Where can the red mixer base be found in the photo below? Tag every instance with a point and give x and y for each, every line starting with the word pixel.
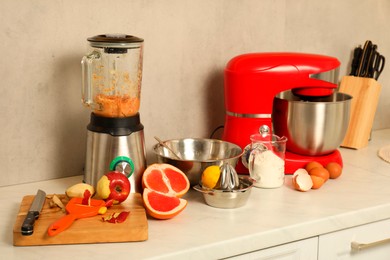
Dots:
pixel 296 161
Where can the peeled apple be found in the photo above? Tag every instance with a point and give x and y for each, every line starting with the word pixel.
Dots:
pixel 77 190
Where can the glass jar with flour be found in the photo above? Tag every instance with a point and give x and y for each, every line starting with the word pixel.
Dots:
pixel 266 160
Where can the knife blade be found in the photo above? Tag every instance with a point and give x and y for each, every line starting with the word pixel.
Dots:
pixel 33 213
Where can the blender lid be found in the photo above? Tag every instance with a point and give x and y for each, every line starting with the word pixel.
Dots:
pixel 115 40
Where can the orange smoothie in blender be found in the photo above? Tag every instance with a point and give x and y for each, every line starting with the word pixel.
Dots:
pixel 116 106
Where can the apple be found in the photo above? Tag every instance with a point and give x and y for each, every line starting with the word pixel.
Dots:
pixel 113 186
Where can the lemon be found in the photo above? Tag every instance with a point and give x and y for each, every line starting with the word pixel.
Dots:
pixel 210 176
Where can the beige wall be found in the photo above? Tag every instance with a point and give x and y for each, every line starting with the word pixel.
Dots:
pixel 187 44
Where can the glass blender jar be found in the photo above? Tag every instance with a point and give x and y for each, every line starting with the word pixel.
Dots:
pixel 112 74
pixel 111 88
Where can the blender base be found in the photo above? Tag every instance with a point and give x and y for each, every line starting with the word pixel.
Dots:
pixel 295 161
pixel 115 144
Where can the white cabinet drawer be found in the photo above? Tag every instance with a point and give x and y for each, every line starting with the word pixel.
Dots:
pixel 373 238
pixel 300 250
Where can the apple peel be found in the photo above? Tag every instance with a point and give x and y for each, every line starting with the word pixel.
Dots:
pixel 109 203
pixel 301 180
pixel 87 198
pixel 116 217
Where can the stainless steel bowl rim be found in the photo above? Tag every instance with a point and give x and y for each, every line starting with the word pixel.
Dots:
pixel 308 102
pixel 198 139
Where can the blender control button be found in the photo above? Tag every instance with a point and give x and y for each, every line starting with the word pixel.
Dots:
pixel 122 164
pixel 124 168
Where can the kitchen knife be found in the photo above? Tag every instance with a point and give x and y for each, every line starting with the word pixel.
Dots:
pixel 33 213
pixel 363 66
pixel 357 54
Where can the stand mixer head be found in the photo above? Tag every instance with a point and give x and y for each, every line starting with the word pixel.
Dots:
pixel 253 80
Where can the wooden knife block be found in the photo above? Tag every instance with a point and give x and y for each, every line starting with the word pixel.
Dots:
pixel 365 93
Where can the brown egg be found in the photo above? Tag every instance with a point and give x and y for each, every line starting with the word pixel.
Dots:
pixel 334 170
pixel 317 182
pixel 312 165
pixel 320 172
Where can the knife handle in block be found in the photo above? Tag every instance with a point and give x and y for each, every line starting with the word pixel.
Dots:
pixel 28 223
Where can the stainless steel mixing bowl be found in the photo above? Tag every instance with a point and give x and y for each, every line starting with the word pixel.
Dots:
pixel 196 154
pixel 313 126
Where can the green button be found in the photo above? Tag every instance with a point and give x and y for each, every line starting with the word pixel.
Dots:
pixel 122 159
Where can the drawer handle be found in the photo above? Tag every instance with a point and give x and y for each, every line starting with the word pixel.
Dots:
pixel 356 246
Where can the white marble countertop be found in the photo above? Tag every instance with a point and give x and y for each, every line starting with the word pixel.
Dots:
pixel 271 216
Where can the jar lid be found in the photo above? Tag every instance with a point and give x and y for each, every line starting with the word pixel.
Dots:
pixel 115 41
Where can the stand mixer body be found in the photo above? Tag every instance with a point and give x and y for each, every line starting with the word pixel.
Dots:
pixel 253 80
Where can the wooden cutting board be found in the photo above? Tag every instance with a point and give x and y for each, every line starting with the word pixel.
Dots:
pixel 86 230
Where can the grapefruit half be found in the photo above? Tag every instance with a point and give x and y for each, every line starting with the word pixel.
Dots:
pixel 162 206
pixel 165 178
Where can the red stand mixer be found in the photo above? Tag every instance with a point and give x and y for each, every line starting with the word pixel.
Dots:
pixel 254 82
